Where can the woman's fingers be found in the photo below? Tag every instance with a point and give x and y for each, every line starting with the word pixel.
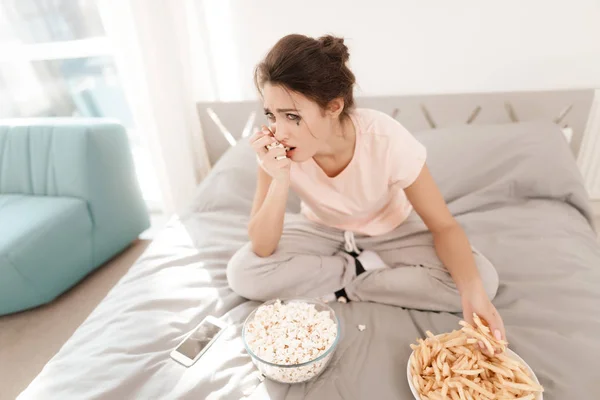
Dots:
pixel 275 158
pixel 497 327
pixel 284 163
pixel 264 141
pixel 259 145
pixel 264 131
pixel 275 152
pixel 495 323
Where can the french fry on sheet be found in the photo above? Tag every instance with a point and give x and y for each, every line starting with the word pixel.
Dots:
pixel 452 366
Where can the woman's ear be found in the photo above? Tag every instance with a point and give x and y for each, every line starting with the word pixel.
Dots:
pixel 335 107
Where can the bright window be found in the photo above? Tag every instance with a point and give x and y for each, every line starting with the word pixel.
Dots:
pixel 55 61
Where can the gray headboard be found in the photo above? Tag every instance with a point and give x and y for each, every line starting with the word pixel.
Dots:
pixel 225 122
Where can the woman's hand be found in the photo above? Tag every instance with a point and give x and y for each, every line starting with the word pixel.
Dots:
pixel 273 161
pixel 477 301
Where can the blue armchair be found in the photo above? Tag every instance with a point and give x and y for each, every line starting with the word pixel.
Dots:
pixel 69 201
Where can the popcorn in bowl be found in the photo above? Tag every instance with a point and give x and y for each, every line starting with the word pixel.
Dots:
pixel 291 341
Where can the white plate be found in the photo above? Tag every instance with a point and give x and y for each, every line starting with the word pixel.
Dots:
pixel 509 352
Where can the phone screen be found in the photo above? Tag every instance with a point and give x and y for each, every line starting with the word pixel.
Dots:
pixel 198 340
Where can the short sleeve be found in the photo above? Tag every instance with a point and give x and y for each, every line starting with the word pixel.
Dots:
pixel 407 155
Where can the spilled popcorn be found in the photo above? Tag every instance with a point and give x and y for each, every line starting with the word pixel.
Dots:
pixel 290 334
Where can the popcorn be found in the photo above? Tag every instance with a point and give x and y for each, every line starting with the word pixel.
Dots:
pixel 361 328
pixel 274 145
pixel 277 145
pixel 291 334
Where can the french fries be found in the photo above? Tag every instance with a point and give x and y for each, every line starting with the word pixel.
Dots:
pixel 452 366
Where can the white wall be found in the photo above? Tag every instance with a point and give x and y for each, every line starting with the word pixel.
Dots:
pixel 410 46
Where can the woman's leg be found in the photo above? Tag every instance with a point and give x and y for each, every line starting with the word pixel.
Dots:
pixel 416 277
pixel 309 261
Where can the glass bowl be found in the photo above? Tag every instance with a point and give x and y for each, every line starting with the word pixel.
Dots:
pixel 294 373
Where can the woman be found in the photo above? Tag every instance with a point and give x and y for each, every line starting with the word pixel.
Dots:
pixel 362 178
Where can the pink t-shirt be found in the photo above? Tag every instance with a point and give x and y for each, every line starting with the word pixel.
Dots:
pixel 367 196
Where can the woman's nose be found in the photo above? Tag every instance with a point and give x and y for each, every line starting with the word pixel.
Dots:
pixel 279 133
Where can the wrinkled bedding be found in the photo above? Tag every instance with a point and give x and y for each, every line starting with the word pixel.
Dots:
pixel 515 189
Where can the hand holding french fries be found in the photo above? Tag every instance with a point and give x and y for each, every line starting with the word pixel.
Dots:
pixel 477 302
pixel 452 366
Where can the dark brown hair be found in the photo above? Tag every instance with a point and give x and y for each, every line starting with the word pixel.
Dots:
pixel 315 68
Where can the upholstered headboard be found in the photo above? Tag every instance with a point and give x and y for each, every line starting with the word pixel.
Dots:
pixel 223 123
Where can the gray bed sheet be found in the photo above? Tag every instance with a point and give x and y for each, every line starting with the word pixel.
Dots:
pixel 514 188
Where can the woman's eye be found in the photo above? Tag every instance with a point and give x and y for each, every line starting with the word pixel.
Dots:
pixel 293 117
pixel 270 116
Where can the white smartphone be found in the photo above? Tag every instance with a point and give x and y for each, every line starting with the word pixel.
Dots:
pixel 198 341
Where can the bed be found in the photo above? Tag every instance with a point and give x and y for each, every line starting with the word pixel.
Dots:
pixel 514 187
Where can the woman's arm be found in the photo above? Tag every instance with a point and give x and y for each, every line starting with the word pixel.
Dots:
pixel 453 249
pixel 268 210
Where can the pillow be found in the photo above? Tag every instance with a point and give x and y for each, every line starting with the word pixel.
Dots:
pixel 504 163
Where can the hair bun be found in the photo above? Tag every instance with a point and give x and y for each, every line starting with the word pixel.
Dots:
pixel 334 47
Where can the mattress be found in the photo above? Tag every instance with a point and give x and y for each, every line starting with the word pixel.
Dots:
pixel 514 188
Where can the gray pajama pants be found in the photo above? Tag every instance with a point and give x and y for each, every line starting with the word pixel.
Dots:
pixel 310 261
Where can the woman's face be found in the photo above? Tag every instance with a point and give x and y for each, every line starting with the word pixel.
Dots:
pixel 297 122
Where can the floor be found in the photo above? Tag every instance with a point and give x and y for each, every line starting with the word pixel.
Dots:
pixel 24 351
